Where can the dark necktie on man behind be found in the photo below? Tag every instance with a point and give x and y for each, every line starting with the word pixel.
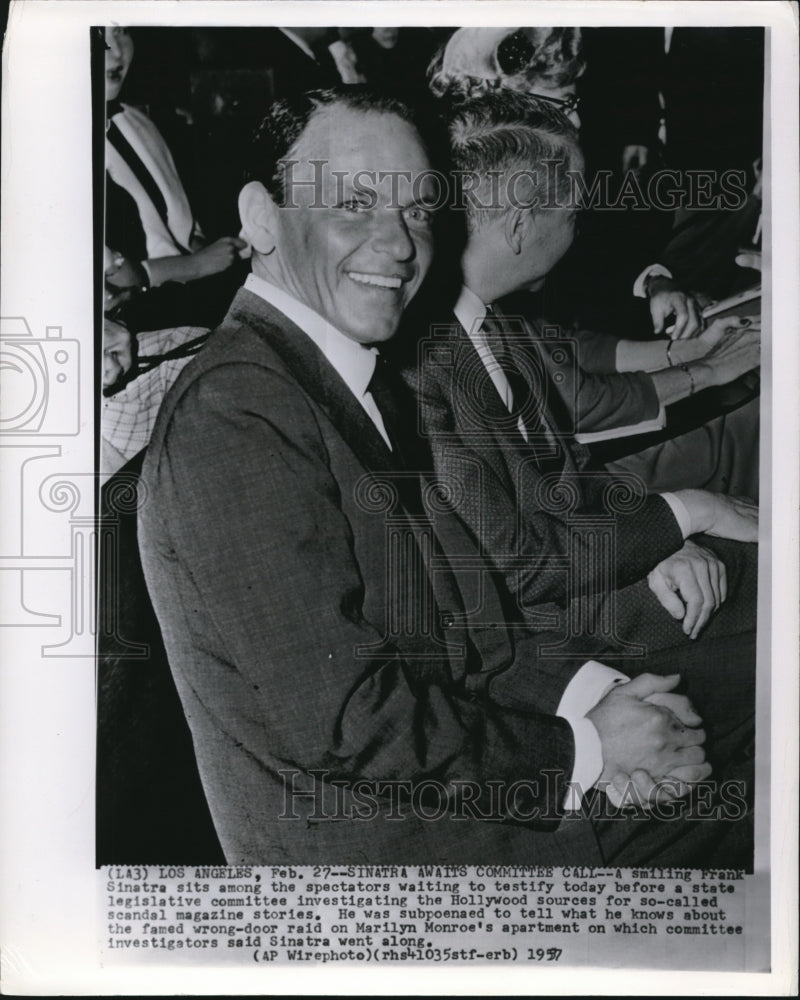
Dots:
pixel 527 378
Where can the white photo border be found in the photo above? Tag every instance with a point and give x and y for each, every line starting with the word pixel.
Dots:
pixel 49 930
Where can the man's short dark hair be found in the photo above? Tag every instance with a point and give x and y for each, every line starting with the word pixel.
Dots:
pixel 286 120
pixel 506 131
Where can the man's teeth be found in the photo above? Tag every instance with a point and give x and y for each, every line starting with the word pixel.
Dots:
pixel 382 281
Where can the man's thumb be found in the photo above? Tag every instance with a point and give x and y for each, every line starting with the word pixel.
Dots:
pixel 657 315
pixel 645 684
pixel 667 597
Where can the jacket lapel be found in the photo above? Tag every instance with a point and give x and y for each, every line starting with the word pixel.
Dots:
pixel 494 415
pixel 316 376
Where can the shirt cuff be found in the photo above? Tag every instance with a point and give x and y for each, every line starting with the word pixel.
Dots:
pixel 654 270
pixel 682 515
pixel 583 692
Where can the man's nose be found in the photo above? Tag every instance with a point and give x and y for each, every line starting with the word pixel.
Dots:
pixel 392 236
pixel 113 45
pixel 575 118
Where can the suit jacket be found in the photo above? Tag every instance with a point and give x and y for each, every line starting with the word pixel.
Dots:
pixel 301 657
pixel 520 515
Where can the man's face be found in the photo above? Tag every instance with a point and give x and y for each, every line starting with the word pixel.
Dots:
pixel 119 55
pixel 386 37
pixel 360 258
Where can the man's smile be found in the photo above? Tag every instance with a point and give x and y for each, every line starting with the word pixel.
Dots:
pixel 388 281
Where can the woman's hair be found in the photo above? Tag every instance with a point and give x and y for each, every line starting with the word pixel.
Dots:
pixel 475 61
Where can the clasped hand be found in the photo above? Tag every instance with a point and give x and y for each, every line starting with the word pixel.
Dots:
pixel 649 734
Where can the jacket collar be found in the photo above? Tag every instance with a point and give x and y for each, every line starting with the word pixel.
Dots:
pixel 316 375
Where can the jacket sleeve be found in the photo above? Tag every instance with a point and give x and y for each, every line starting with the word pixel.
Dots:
pixel 245 498
pixel 600 397
pixel 596 351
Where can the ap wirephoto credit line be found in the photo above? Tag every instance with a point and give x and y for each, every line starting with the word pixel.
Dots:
pixel 416 511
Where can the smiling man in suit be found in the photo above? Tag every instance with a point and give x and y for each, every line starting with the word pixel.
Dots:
pixel 336 672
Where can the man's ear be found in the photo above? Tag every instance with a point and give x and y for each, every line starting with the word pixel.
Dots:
pixel 259 215
pixel 518 222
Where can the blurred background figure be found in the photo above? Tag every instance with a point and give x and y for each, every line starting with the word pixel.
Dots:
pixel 153 237
pixel 680 99
pixel 395 59
pixel 684 97
pixel 117 352
pixel 137 372
pixel 344 55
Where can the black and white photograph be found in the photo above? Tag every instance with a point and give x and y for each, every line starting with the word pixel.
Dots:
pixel 401 454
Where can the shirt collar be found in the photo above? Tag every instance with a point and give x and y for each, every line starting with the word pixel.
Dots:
pixel 301 43
pixel 354 362
pixel 470 313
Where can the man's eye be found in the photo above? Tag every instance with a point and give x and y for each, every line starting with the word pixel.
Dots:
pixel 421 216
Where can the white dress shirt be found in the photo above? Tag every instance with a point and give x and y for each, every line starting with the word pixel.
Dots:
pixel 471 313
pixel 354 362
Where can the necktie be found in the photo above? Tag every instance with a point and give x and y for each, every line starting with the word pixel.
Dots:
pixel 398 412
pixel 527 379
pixel 414 544
pixel 397 406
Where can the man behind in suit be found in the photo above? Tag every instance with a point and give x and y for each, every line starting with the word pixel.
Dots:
pixel 341 702
pixel 496 421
